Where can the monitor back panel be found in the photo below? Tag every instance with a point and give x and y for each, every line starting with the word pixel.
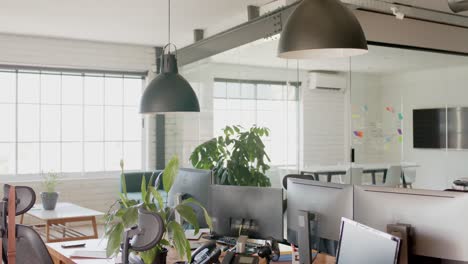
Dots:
pixel 264 205
pixel 439 218
pixel 329 201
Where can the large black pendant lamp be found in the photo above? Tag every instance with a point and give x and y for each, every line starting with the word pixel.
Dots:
pixel 169 91
pixel 321 28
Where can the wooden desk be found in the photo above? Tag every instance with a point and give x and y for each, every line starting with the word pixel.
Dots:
pixel 62 256
pixel 324 259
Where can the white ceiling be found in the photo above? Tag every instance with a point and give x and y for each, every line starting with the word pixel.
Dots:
pixel 122 21
pixel 134 21
pixel 379 59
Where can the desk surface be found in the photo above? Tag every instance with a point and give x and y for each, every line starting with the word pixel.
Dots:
pixel 62 256
pixel 347 166
pixel 364 166
pixel 62 211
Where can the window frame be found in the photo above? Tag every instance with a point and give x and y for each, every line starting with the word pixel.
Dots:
pixel 82 73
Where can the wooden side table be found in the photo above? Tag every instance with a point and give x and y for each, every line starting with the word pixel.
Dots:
pixel 55 227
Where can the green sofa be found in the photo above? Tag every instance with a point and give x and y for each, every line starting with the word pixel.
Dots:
pixel 133 182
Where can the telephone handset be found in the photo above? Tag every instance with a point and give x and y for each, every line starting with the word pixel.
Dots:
pixel 208 253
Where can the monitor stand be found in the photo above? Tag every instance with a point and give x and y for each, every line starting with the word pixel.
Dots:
pixel 307 226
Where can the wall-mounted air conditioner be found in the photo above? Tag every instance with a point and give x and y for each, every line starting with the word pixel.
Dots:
pixel 326 81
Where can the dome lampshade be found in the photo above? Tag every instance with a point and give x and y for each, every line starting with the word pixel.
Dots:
pixel 321 28
pixel 169 91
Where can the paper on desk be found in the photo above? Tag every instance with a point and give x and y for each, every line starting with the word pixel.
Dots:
pixel 190 233
pixel 89 253
pixel 285 249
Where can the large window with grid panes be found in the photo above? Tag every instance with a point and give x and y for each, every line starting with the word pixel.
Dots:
pixel 269 104
pixel 69 122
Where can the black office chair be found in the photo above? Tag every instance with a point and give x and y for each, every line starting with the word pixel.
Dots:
pixel 285 184
pixel 296 176
pixel 29 246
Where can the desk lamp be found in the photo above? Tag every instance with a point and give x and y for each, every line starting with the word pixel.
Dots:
pixel 144 236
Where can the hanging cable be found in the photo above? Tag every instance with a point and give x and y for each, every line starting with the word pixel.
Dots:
pixel 169 23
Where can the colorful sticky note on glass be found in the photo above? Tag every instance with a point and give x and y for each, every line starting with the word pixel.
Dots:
pixel 400 116
pixel 359 134
pixel 355 116
pixel 365 108
pixel 390 109
pixel 386 146
pixel 400 139
pixel 388 139
pixel 399 131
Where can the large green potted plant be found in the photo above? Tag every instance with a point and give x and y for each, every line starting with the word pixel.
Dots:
pixel 50 195
pixel 124 214
pixel 236 158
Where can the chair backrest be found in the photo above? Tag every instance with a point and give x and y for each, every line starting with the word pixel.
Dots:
pixel 133 180
pixel 353 176
pixel 410 175
pixel 29 246
pixel 296 176
pixel 393 176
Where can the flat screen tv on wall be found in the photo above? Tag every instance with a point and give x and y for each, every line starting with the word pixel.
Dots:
pixel 440 128
pixel 429 128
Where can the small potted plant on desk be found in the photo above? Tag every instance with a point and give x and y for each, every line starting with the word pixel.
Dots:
pixel 123 214
pixel 49 197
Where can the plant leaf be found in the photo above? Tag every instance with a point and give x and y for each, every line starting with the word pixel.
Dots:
pixel 170 173
pixel 124 183
pixel 180 241
pixel 189 215
pixel 130 216
pixel 157 196
pixel 113 243
pixel 149 255
pixel 143 189
pixel 123 199
pixel 205 212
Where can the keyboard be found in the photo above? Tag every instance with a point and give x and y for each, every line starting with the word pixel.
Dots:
pixel 232 241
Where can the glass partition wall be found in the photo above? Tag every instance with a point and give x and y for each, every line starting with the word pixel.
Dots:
pixel 401 101
pixel 245 87
pixel 323 113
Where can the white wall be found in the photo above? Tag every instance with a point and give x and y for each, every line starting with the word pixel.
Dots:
pixel 323 127
pixel 53 52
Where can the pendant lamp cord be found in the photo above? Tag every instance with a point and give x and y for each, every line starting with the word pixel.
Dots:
pixel 169 23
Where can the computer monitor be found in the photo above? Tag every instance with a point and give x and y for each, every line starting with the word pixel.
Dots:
pixel 192 183
pixel 329 201
pixel 260 205
pixel 439 219
pixel 360 244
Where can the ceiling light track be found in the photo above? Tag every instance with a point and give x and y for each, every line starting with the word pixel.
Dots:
pixel 383 6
